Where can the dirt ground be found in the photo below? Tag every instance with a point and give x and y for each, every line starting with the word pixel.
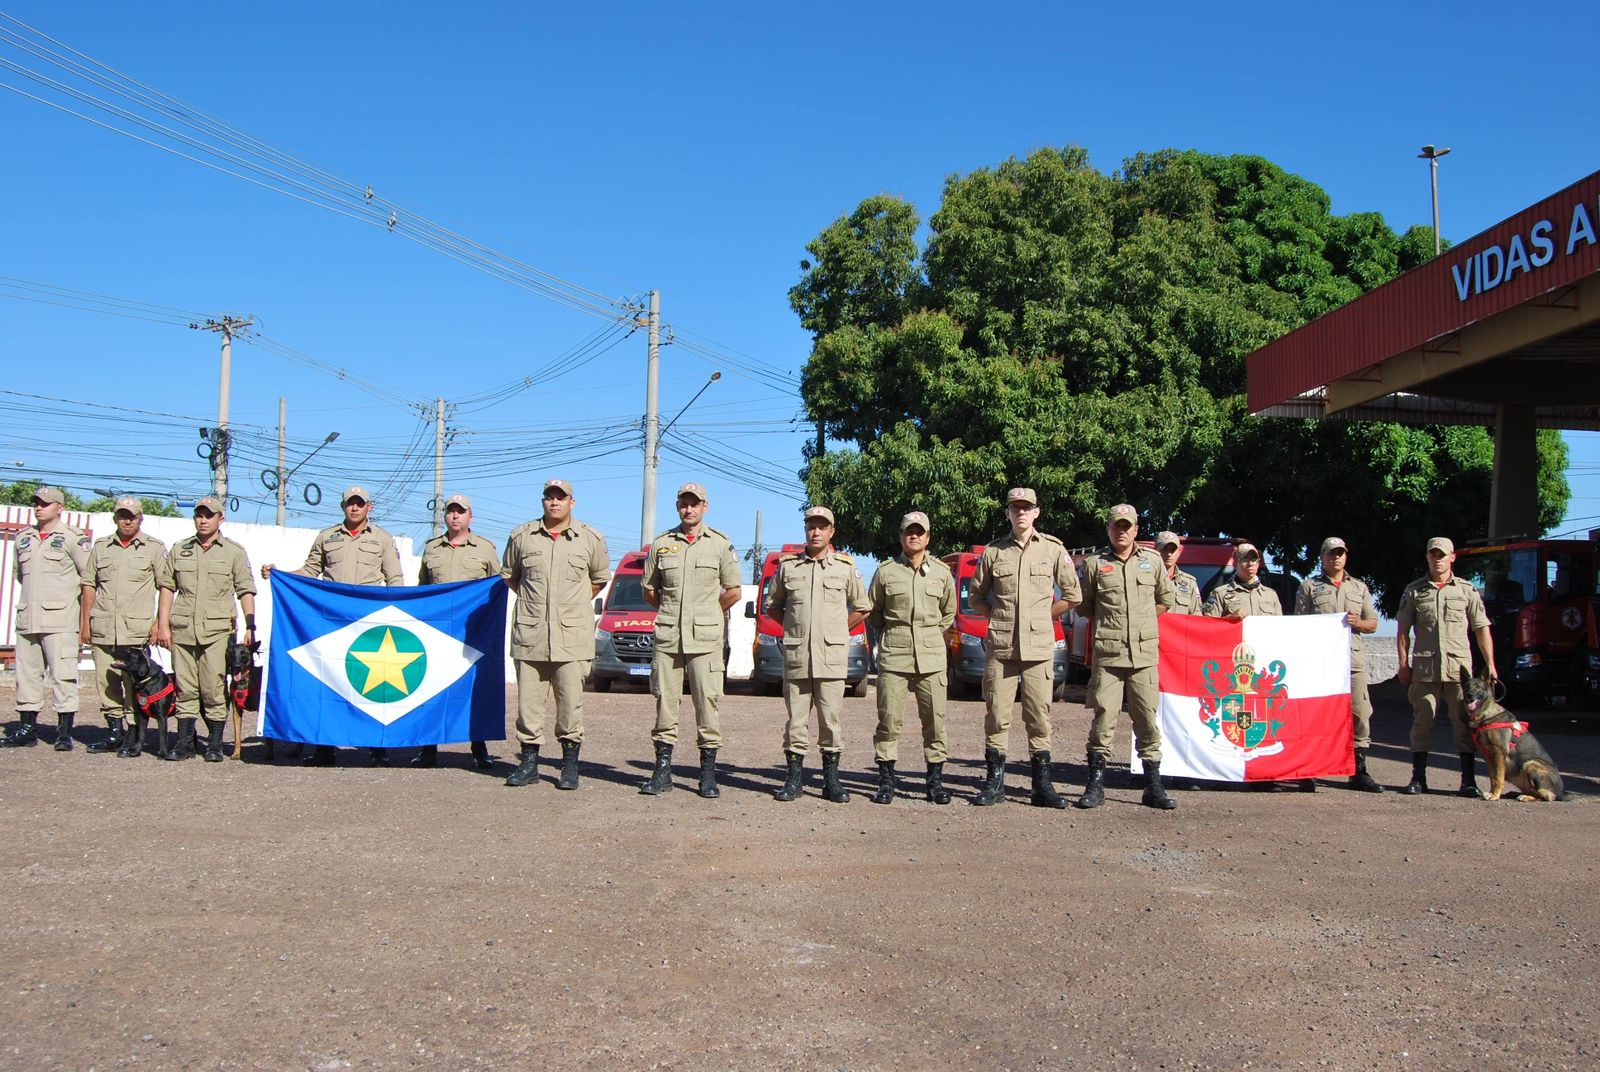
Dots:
pixel 232 916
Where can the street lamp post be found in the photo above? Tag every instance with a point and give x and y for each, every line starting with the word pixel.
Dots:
pixel 1432 154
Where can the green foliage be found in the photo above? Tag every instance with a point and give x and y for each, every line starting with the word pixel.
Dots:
pixel 20 493
pixel 1084 334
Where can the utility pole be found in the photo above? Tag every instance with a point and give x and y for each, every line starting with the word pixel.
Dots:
pixel 755 553
pixel 652 420
pixel 283 475
pixel 1432 155
pixel 438 466
pixel 226 327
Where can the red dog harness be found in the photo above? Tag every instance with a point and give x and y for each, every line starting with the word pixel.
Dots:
pixel 1517 730
pixel 241 693
pixel 147 701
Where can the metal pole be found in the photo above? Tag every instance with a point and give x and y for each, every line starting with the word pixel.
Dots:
pixel 438 467
pixel 1433 174
pixel 652 420
pixel 221 484
pixel 283 477
pixel 755 553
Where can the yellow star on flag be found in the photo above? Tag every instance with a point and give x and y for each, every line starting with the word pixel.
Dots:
pixel 387 665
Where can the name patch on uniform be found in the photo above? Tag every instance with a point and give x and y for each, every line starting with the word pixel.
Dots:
pixel 24 543
pixel 186 553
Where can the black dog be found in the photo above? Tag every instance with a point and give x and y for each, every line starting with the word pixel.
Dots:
pixel 153 697
pixel 241 678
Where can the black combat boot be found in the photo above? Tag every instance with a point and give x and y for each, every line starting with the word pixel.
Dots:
pixel 937 793
pixel 112 741
pixel 214 741
pixel 426 758
pixel 1469 781
pixel 885 793
pixel 994 779
pixel 1419 775
pixel 379 757
pixel 708 773
pixel 322 755
pixel 1155 796
pixel 793 779
pixel 133 743
pixel 661 774
pixel 1361 780
pixel 64 731
pixel 832 791
pixel 1094 790
pixel 480 756
pixel 527 772
pixel 1044 786
pixel 183 748
pixel 25 735
pixel 569 765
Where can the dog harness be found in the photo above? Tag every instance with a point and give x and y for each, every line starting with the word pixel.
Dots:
pixel 147 700
pixel 240 692
pixel 1517 730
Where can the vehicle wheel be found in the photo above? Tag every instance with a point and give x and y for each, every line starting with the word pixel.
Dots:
pixel 599 684
pixel 859 688
pixel 772 688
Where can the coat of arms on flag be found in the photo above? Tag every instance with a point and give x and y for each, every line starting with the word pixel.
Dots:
pixel 369 666
pixel 1262 699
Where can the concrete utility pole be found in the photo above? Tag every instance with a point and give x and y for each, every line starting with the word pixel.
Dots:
pixel 1432 155
pixel 283 473
pixel 438 467
pixel 652 420
pixel 226 327
pixel 755 553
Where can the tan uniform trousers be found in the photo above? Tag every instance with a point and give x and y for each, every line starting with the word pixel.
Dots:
pixel 930 691
pixel 704 671
pixel 800 695
pixel 116 692
pixel 200 671
pixel 1425 697
pixel 1001 678
pixel 56 653
pixel 1360 709
pixel 535 682
pixel 1109 687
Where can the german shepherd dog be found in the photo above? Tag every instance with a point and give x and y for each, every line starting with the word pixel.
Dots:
pixel 241 670
pixel 153 697
pixel 1512 752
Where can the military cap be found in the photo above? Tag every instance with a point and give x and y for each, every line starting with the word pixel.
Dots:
pixel 209 502
pixel 1167 539
pixel 130 504
pixel 564 485
pixel 697 490
pixel 1244 549
pixel 1442 543
pixel 1333 543
pixel 819 511
pixel 458 500
pixel 1022 495
pixel 915 517
pixel 354 491
pixel 1122 512
pixel 47 494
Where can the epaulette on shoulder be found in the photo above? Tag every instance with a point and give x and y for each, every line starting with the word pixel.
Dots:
pixel 526 526
pixel 716 532
pixel 844 557
pixel 1045 536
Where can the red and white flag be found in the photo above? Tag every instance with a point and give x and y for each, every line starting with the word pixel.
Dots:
pixel 1259 700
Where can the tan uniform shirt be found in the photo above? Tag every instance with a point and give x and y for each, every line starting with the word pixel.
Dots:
pixel 1185 593
pixel 554 577
pixel 368 557
pixel 52 567
pixel 911 609
pixel 1318 595
pixel 814 598
pixel 1444 618
pixel 124 581
pixel 1235 600
pixel 204 582
pixel 1018 584
pixel 1121 599
pixel 470 560
pixel 689 579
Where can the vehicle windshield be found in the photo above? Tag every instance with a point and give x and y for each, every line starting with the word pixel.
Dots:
pixel 1568 574
pixel 627 593
pixel 1501 577
pixel 1205 575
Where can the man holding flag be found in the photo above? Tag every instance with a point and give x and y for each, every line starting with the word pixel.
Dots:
pixel 1336 592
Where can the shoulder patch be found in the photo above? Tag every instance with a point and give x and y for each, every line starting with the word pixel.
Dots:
pixel 1106 567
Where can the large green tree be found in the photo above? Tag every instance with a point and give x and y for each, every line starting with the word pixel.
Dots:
pixel 20 493
pixel 1084 334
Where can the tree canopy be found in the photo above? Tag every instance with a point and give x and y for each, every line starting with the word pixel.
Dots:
pixel 20 493
pixel 1084 334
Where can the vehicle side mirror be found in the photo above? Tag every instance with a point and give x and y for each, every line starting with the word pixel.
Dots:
pixel 749 608
pixel 597 604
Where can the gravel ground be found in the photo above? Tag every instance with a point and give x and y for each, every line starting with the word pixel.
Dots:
pixel 247 916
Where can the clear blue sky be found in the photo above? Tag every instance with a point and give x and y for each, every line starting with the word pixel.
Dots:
pixel 695 152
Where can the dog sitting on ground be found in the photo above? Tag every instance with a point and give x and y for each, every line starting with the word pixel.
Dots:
pixel 241 668
pixel 1512 752
pixel 153 697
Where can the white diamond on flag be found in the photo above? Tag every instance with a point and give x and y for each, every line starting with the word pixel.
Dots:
pixel 386 664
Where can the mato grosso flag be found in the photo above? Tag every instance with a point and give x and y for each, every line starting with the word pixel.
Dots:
pixel 374 667
pixel 1258 700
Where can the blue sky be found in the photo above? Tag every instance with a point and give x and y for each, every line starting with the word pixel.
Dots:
pixel 695 151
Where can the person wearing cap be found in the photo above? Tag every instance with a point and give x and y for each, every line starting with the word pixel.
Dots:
pixel 51 562
pixel 1441 609
pixel 1243 594
pixel 819 597
pixel 1185 588
pixel 1335 591
pixel 355 551
pixel 457 554
pixel 1125 589
pixel 1015 585
pixel 913 599
pixel 691 577
pixel 198 581
pixel 120 611
pixel 555 565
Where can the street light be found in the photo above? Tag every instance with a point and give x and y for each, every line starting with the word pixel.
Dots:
pixel 715 376
pixel 1432 154
pixel 281 484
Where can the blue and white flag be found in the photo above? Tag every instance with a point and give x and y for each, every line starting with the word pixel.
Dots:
pixel 375 667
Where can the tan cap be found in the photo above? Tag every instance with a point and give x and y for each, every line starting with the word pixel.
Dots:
pixel 819 511
pixel 1122 512
pixel 1333 543
pixel 557 482
pixel 1244 550
pixel 130 504
pixel 915 517
pixel 1442 543
pixel 210 502
pixel 50 495
pixel 1023 495
pixel 459 500
pixel 1168 539
pixel 697 490
pixel 354 491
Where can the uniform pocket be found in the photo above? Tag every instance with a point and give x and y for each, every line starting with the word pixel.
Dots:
pixel 833 589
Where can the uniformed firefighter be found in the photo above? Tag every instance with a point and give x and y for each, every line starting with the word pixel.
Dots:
pixel 1185 589
pixel 119 611
pixel 691 577
pixel 51 559
pixel 198 582
pixel 1125 590
pixel 556 565
pixel 1442 609
pixel 1023 583
pixel 1335 591
pixel 819 597
pixel 913 599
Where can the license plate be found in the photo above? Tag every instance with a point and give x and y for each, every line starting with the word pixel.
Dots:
pixel 639 671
